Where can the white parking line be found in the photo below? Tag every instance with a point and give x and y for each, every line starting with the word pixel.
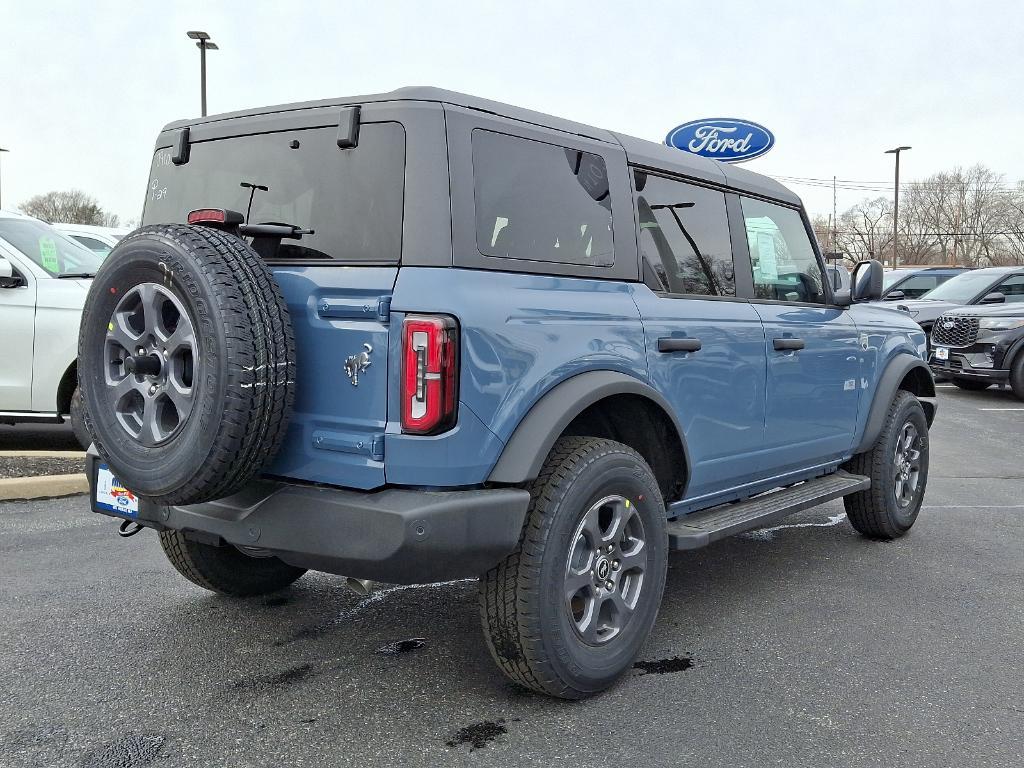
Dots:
pixel 1001 409
pixel 949 386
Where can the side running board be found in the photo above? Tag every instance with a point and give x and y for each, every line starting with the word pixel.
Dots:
pixel 699 529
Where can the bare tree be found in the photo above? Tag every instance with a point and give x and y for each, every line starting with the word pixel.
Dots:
pixel 68 207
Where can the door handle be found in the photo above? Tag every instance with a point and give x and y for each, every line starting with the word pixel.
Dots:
pixel 676 344
pixel 787 344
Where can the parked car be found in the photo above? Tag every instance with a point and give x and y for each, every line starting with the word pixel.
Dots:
pixel 44 278
pixel 976 347
pixel 914 282
pixel 992 285
pixel 98 239
pixel 422 336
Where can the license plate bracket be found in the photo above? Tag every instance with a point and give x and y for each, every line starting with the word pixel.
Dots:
pixel 110 497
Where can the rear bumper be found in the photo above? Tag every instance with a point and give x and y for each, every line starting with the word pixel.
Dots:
pixel 399 536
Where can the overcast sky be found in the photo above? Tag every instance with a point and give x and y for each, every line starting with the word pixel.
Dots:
pixel 86 87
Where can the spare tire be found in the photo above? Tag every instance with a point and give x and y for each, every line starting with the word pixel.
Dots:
pixel 186 360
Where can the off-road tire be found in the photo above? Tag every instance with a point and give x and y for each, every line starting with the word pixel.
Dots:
pixel 245 370
pixel 77 418
pixel 875 512
pixel 527 628
pixel 1017 375
pixel 224 569
pixel 971 385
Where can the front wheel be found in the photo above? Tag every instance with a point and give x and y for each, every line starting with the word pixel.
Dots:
pixel 898 467
pixel 568 611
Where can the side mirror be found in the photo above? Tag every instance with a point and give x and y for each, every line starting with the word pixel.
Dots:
pixel 994 298
pixel 7 277
pixel 867 280
pixel 894 295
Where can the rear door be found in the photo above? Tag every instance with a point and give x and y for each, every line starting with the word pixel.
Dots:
pixel 813 349
pixel 337 280
pixel 705 346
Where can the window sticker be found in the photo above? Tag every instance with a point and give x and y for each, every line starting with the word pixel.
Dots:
pixel 48 254
pixel 767 265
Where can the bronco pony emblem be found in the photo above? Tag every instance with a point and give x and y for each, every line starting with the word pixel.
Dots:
pixel 356 364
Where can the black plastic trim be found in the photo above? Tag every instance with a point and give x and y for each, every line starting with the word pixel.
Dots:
pixel 532 440
pixel 888 384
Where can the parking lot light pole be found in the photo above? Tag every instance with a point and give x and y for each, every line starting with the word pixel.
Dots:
pixel 204 44
pixel 1 181
pixel 895 202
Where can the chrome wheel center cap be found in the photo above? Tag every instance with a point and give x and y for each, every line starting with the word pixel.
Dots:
pixel 603 568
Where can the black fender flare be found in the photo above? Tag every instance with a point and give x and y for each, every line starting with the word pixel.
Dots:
pixel 1015 348
pixel 888 384
pixel 524 453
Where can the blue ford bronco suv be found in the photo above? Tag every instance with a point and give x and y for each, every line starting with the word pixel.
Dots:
pixel 421 336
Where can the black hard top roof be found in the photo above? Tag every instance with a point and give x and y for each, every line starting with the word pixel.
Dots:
pixel 638 151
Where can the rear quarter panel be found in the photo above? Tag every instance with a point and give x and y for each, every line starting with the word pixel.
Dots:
pixel 520 336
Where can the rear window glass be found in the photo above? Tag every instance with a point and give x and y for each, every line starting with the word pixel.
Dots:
pixel 541 202
pixel 352 199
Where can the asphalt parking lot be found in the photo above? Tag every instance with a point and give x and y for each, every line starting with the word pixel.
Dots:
pixel 800 645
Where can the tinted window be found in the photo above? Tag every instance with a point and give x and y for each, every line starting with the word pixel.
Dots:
pixel 93 244
pixel 57 254
pixel 1012 288
pixel 918 285
pixel 781 254
pixel 540 202
pixel 352 199
pixel 684 237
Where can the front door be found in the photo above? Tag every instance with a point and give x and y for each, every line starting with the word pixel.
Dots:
pixel 705 347
pixel 813 349
pixel 17 321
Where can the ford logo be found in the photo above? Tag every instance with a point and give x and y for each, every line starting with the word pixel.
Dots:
pixel 722 138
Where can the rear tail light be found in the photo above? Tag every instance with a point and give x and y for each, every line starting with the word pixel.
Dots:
pixel 215 217
pixel 430 375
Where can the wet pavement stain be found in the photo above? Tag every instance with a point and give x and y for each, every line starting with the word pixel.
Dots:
pixel 402 646
pixel 664 666
pixel 287 677
pixel 131 751
pixel 478 735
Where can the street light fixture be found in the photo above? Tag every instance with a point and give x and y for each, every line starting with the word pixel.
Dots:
pixel 204 44
pixel 1 188
pixel 896 202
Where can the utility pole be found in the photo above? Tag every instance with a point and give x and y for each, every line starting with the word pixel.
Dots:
pixel 1 188
pixel 835 221
pixel 896 204
pixel 204 44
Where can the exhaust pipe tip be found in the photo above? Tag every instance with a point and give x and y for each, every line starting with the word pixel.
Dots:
pixel 362 587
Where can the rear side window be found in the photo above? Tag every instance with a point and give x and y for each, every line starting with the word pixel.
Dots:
pixel 781 255
pixel 918 285
pixel 352 199
pixel 684 237
pixel 540 202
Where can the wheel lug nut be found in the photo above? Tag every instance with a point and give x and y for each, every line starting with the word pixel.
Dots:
pixel 610 584
pixel 616 565
pixel 152 390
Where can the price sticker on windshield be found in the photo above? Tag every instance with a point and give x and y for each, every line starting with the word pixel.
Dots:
pixel 48 255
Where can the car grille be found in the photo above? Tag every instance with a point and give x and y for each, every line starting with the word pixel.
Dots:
pixel 955 331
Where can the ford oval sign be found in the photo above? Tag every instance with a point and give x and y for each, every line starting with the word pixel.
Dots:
pixel 722 138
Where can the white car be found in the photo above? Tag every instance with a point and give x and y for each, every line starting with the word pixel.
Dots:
pixel 99 239
pixel 44 279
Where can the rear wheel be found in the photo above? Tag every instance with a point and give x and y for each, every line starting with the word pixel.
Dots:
pixel 568 611
pixel 898 467
pixel 972 385
pixel 77 415
pixel 224 569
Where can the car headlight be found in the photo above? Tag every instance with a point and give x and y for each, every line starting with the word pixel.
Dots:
pixel 1001 323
